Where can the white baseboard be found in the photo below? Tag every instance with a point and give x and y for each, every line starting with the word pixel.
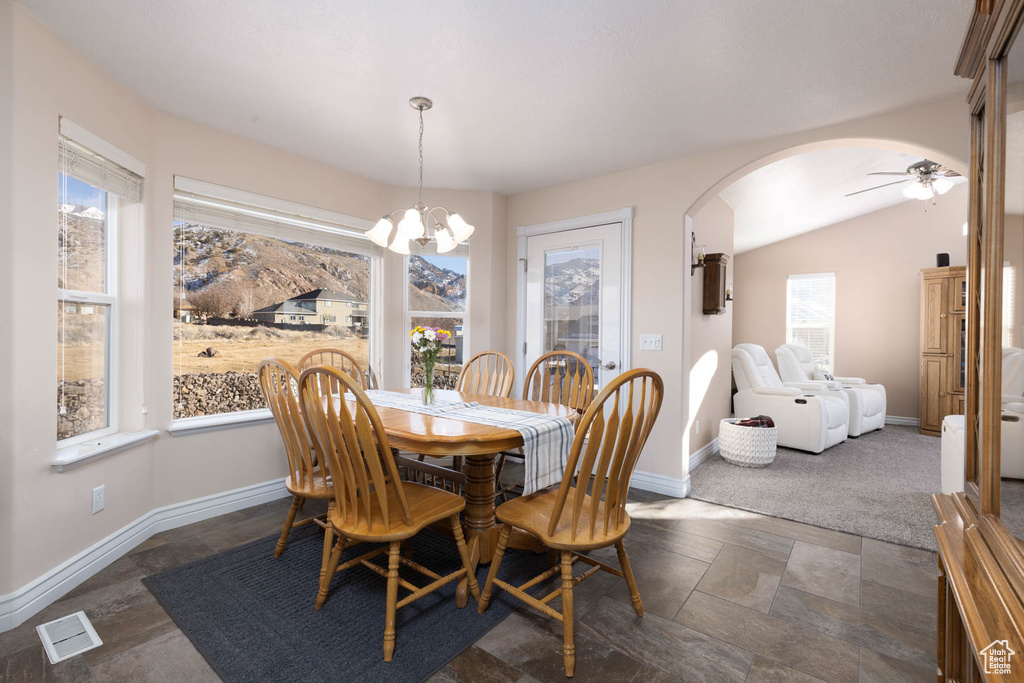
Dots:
pixel 902 421
pixel 659 483
pixel 17 607
pixel 703 453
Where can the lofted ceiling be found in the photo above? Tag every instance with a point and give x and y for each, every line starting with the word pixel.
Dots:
pixel 806 192
pixel 527 93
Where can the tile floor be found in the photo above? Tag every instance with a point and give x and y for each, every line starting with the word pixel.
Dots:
pixel 729 596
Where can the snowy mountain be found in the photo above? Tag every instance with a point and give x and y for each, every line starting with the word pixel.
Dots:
pixel 83 211
pixel 574 282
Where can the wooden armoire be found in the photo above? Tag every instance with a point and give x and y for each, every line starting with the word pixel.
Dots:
pixel 943 345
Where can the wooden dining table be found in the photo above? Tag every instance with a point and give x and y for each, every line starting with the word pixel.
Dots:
pixel 479 444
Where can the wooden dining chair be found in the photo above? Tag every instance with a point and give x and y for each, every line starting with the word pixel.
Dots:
pixel 335 358
pixel 279 382
pixel 609 439
pixel 371 503
pixel 488 372
pixel 561 377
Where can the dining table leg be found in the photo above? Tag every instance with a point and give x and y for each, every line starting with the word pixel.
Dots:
pixel 479 521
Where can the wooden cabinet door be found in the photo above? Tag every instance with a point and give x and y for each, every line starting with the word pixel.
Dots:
pixel 958 294
pixel 934 392
pixel 935 323
pixel 960 404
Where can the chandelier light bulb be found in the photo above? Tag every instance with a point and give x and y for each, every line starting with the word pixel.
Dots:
pixel 381 232
pixel 461 230
pixel 411 227
pixel 942 185
pixel 401 244
pixel 919 191
pixel 445 242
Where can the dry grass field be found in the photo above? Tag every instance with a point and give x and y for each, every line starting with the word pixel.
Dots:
pixel 242 348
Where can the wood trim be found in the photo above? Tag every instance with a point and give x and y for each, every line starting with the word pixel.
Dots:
pixel 976 38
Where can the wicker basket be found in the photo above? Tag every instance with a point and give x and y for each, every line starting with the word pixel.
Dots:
pixel 746 446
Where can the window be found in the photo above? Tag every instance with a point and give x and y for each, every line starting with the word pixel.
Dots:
pixel 1009 305
pixel 90 191
pixel 253 277
pixel 437 297
pixel 811 315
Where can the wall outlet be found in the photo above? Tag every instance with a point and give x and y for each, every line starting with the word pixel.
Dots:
pixel 650 342
pixel 99 498
pixel 696 425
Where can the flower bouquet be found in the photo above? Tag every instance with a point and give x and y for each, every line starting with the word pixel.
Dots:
pixel 427 341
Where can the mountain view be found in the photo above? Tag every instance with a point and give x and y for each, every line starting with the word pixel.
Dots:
pixel 247 272
pixel 573 282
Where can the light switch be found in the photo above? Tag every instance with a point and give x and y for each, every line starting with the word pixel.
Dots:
pixel 650 342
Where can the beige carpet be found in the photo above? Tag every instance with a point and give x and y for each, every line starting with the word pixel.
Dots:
pixel 878 486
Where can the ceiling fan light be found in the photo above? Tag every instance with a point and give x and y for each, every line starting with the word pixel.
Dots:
pixel 461 230
pixel 411 227
pixel 381 232
pixel 400 245
pixel 445 242
pixel 942 185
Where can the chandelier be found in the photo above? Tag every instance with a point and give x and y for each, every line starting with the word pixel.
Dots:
pixel 420 223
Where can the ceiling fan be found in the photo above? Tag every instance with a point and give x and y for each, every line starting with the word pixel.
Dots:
pixel 929 179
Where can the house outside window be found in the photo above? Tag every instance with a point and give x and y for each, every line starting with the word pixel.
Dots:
pixel 91 189
pixel 811 315
pixel 260 276
pixel 437 296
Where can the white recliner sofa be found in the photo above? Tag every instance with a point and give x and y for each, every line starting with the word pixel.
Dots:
pixel 807 417
pixel 867 401
pixel 1013 375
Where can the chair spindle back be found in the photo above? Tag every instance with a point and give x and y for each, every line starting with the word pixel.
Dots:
pixel 561 377
pixel 336 358
pixel 605 451
pixel 279 381
pixel 488 372
pixel 355 446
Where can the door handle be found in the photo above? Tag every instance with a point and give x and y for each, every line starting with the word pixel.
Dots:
pixel 610 365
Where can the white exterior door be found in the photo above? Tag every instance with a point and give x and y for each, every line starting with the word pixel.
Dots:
pixel 574 294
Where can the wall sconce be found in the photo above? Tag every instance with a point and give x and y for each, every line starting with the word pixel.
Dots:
pixel 697 253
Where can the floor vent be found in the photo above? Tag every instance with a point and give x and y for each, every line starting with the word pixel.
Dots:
pixel 68 636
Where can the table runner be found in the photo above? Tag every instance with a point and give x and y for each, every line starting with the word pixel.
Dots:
pixel 547 439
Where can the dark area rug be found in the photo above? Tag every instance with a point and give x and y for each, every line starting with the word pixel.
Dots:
pixel 878 485
pixel 252 616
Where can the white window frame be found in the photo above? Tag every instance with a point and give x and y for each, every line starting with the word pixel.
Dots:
pixel 832 329
pixel 108 299
pixel 311 221
pixel 409 315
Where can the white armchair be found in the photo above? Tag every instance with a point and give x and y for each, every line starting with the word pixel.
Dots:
pixel 807 417
pixel 867 401
pixel 1013 375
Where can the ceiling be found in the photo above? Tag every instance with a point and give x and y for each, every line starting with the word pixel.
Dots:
pixel 527 93
pixel 807 192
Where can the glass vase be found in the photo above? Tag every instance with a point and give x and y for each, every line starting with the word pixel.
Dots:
pixel 428 382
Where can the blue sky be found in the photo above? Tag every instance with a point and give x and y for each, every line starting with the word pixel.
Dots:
pixel 453 263
pixel 80 193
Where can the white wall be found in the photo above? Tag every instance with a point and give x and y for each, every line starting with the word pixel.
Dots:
pixel 710 335
pixel 7 398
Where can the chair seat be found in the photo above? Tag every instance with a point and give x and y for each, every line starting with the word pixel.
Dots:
pixel 426 506
pixel 532 513
pixel 316 487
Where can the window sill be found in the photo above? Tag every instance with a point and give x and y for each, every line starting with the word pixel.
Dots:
pixel 74 456
pixel 210 423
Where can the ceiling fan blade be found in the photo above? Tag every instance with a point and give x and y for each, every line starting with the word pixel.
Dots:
pixel 949 173
pixel 890 173
pixel 876 187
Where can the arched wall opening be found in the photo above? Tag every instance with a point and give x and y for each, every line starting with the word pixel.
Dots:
pixel 698 359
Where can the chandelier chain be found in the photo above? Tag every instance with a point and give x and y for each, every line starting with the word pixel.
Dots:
pixel 421 158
